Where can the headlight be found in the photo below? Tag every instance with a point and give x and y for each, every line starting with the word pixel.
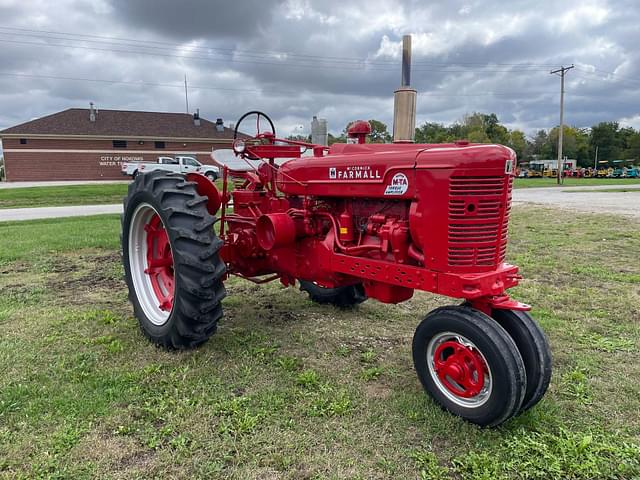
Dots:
pixel 239 146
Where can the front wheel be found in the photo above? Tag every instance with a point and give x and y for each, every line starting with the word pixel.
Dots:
pixel 469 365
pixel 211 176
pixel 171 262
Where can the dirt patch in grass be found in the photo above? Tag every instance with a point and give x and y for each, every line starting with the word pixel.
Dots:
pixel 125 458
pixel 75 279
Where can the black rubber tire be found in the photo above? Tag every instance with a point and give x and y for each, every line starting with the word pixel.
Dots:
pixel 211 176
pixel 343 297
pixel 534 350
pixel 198 269
pixel 497 347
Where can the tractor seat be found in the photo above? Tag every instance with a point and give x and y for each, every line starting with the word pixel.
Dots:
pixel 226 157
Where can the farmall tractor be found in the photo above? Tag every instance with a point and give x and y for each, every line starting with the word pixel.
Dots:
pixel 347 223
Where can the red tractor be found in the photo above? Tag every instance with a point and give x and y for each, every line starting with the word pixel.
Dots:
pixel 349 222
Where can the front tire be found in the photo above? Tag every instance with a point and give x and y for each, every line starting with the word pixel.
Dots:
pixel 171 262
pixel 211 176
pixel 469 365
pixel 534 349
pixel 343 297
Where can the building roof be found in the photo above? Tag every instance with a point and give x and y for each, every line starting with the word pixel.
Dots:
pixel 120 124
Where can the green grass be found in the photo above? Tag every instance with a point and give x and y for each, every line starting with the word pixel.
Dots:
pixel 572 182
pixel 289 389
pixel 41 240
pixel 93 194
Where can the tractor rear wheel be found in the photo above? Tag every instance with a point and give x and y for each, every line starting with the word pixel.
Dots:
pixel 469 365
pixel 171 262
pixel 342 297
pixel 534 349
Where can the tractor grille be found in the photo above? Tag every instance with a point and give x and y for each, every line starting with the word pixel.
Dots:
pixel 479 210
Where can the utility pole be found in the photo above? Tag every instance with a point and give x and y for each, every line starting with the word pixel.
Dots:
pixel 186 94
pixel 595 166
pixel 561 71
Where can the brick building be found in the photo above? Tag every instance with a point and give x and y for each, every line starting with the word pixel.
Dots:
pixel 87 144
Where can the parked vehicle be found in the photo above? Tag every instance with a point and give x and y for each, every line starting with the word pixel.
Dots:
pixel 353 221
pixel 535 171
pixel 624 171
pixel 606 172
pixel 632 172
pixel 619 169
pixel 178 164
pixel 590 173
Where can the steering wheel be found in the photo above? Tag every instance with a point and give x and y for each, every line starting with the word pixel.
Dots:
pixel 258 114
pixel 239 146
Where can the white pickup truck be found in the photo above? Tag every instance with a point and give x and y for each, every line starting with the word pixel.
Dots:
pixel 180 163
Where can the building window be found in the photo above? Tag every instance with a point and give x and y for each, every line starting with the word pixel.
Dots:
pixel 23 141
pixel 159 144
pixel 119 144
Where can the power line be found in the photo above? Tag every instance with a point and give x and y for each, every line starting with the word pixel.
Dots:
pixel 125 82
pixel 615 75
pixel 598 79
pixel 259 53
pixel 253 90
pixel 233 60
pixel 484 94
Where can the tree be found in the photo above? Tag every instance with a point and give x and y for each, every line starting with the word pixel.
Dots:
pixel 477 135
pixel 519 143
pixel 579 143
pixel 541 146
pixel 431 132
pixel 379 132
pixel 485 128
pixel 331 139
pixel 568 142
pixel 632 150
pixel 605 136
pixel 584 152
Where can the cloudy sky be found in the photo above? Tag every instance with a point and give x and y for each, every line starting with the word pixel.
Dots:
pixel 336 59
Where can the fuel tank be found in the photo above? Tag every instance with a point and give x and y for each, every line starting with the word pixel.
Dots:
pixel 387 170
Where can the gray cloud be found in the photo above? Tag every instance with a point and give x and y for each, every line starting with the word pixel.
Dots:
pixel 464 56
pixel 215 19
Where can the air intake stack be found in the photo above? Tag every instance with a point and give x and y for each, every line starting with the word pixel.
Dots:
pixel 319 131
pixel 404 108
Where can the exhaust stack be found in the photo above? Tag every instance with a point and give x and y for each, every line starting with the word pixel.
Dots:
pixel 404 101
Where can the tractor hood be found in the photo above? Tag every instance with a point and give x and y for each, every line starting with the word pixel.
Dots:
pixel 386 170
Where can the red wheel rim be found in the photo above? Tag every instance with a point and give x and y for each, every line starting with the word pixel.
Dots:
pixel 460 368
pixel 159 263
